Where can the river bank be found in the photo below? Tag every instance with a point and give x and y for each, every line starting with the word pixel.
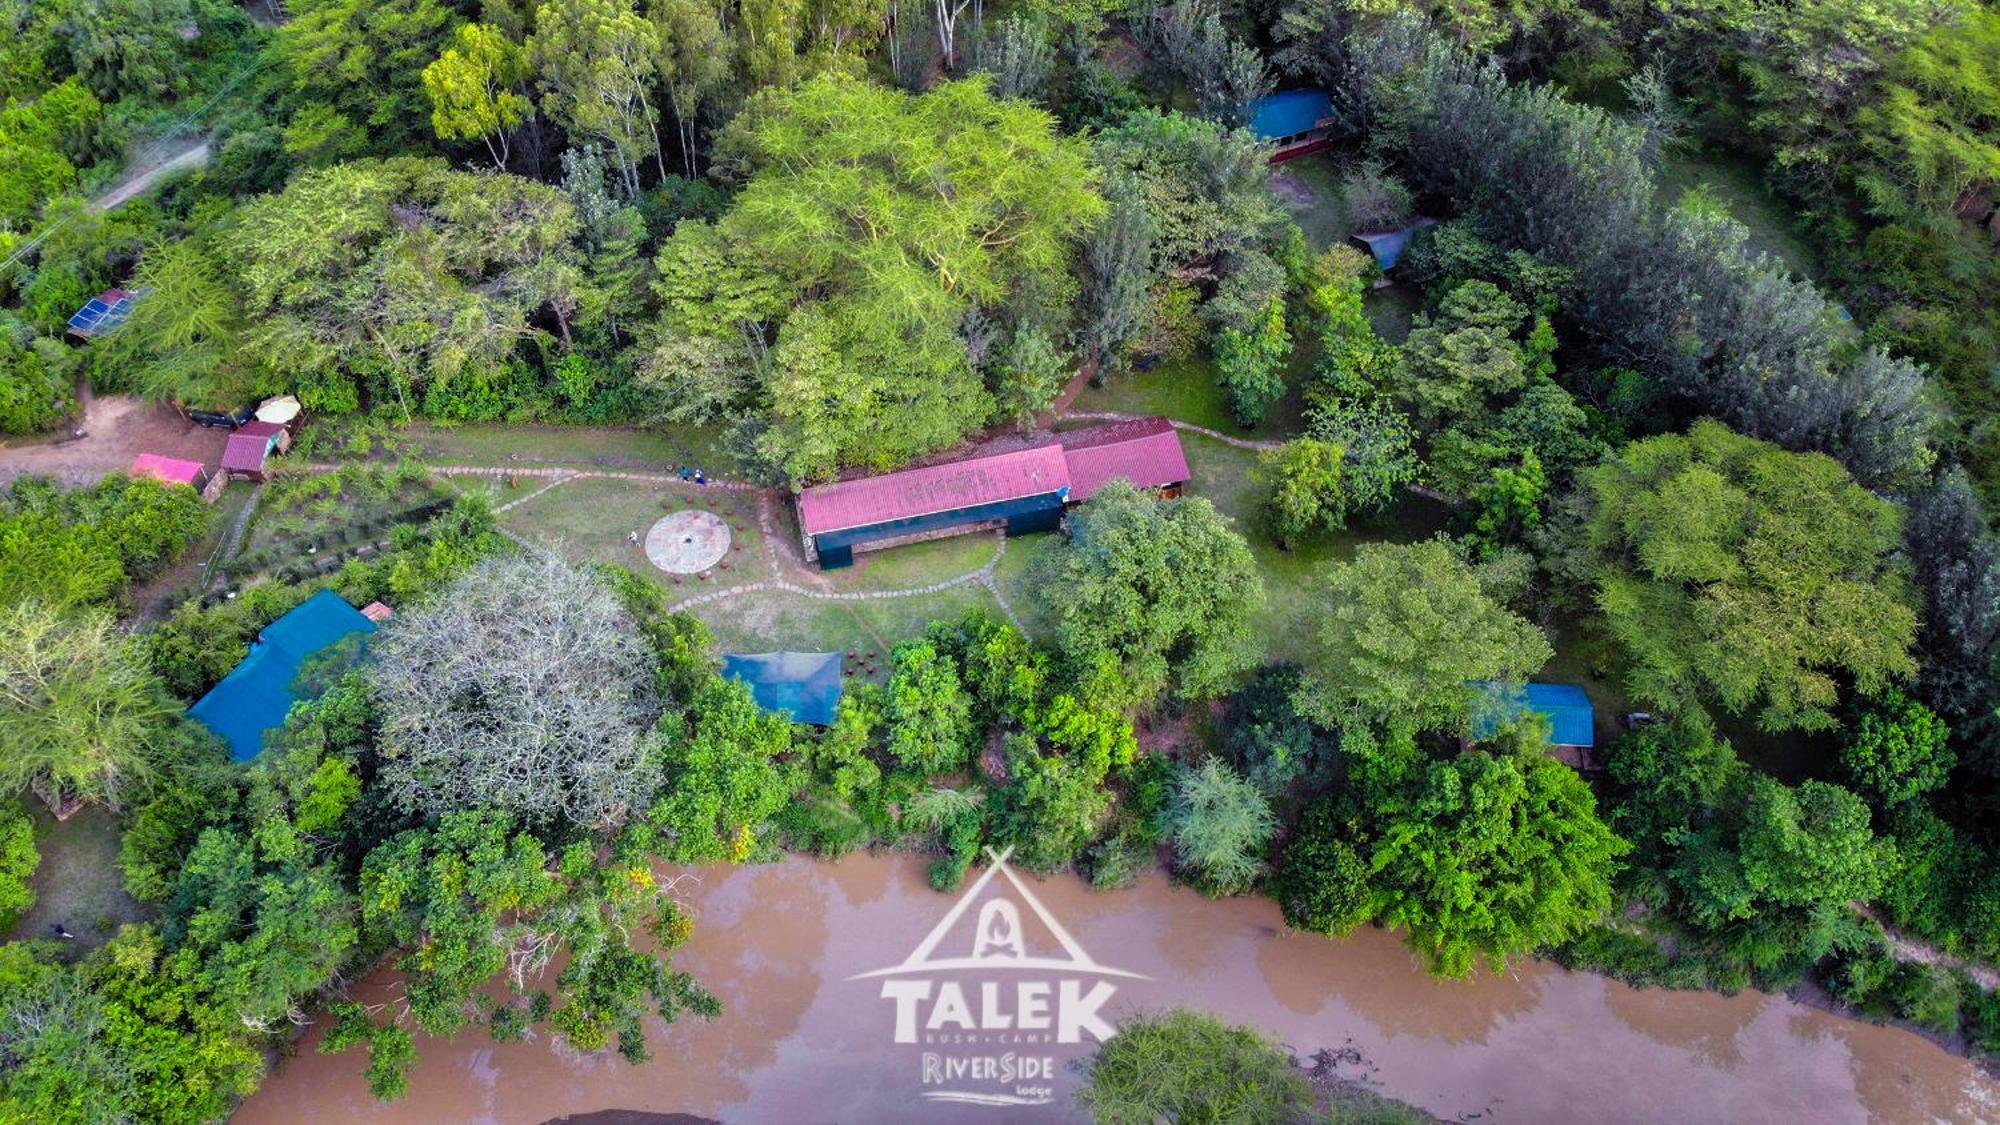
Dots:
pixel 800 1041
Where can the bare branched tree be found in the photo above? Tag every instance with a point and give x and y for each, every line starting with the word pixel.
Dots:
pixel 523 687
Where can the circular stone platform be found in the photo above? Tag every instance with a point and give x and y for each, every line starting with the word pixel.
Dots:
pixel 688 542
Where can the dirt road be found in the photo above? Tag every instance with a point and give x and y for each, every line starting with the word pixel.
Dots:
pixel 116 428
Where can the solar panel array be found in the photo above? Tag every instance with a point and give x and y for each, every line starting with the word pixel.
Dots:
pixel 102 313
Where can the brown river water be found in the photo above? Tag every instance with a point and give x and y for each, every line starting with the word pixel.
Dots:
pixel 799 1041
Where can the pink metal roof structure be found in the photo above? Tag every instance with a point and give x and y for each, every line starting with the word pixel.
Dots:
pixel 260 428
pixel 245 452
pixel 1145 451
pixel 172 470
pixel 939 488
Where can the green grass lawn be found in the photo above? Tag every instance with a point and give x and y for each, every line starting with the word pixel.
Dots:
pixel 78 884
pixel 589 520
pixel 1737 181
pixel 777 619
pixel 1222 474
pixel 1015 582
pixel 1310 188
pixel 913 565
pixel 1186 389
pixel 656 448
pixel 1391 309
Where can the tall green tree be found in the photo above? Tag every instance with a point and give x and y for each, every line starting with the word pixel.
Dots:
pixel 475 89
pixel 1490 857
pixel 1703 542
pixel 598 61
pixel 356 69
pixel 1402 632
pixel 81 713
pixel 1158 592
pixel 871 225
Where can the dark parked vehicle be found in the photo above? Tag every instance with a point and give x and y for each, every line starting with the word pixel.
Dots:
pixel 209 418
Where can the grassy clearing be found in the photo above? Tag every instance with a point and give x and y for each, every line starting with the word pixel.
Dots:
pixel 776 619
pixel 1737 181
pixel 601 446
pixel 1185 389
pixel 913 566
pixel 1391 309
pixel 1222 474
pixel 78 884
pixel 590 520
pixel 1310 188
pixel 1013 578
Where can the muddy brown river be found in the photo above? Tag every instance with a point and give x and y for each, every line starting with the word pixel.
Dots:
pixel 800 1041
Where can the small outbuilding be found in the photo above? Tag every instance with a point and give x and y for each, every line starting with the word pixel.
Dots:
pixel 257 694
pixel 804 685
pixel 1296 122
pixel 250 448
pixel 170 470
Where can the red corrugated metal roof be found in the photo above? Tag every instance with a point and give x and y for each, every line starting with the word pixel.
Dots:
pixel 173 470
pixel 940 488
pixel 260 428
pixel 1145 451
pixel 245 452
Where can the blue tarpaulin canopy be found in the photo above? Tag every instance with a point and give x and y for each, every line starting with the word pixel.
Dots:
pixel 1572 721
pixel 1288 113
pixel 805 685
pixel 256 695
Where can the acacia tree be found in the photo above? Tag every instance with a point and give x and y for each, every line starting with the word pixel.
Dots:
pixel 1402 630
pixel 523 687
pixel 1220 826
pixel 81 714
pixel 1186 1066
pixel 1732 570
pixel 872 226
pixel 1153 590
pixel 474 89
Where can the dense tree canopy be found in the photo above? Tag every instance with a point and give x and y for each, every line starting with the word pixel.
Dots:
pixel 1402 633
pixel 1153 589
pixel 522 688
pixel 1734 571
pixel 871 225
pixel 1492 856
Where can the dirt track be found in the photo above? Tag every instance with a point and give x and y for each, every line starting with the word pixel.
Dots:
pixel 116 429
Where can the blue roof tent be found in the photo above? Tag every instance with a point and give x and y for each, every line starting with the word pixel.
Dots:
pixel 1289 113
pixel 805 685
pixel 1388 245
pixel 257 694
pixel 1572 720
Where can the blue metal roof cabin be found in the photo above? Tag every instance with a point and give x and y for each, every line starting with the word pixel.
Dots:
pixel 257 694
pixel 1295 120
pixel 805 685
pixel 1572 720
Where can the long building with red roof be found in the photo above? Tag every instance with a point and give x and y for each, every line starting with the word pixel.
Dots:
pixel 1018 491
